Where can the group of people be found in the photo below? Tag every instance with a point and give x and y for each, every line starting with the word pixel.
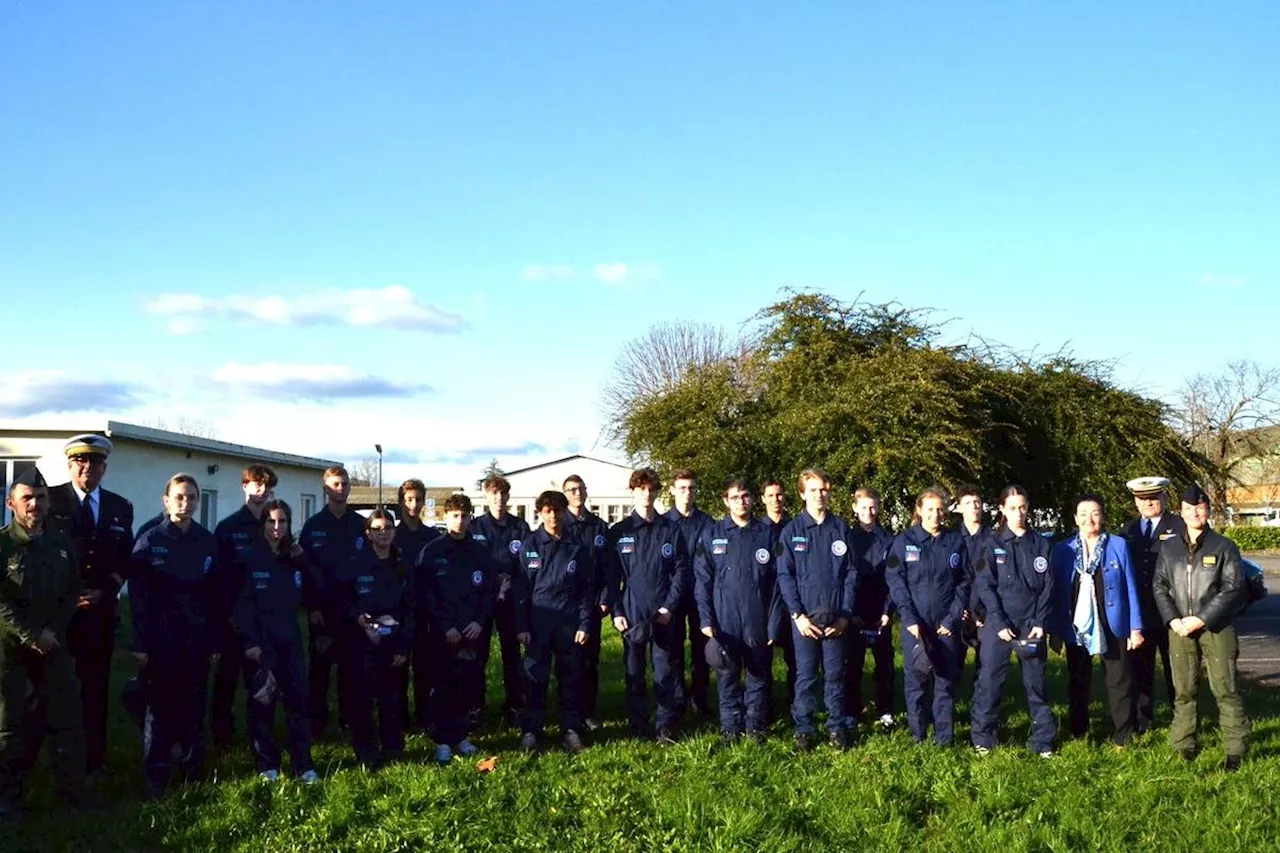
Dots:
pixel 401 609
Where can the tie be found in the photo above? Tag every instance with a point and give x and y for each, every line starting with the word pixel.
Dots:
pixel 1146 529
pixel 87 522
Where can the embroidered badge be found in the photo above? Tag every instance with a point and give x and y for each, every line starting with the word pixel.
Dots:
pixel 954 560
pixel 572 567
pixel 599 540
pixel 297 579
pixel 839 548
pixel 514 546
pixel 762 555
pixel 477 577
pixel 1041 565
pixel 208 564
pixel 667 549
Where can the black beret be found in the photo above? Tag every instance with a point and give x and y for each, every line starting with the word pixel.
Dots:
pixel 31 477
pixel 1195 495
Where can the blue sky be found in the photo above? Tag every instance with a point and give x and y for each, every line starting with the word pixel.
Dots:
pixel 320 226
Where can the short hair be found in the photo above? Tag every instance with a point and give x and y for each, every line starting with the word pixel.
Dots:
pixel 180 478
pixel 458 503
pixel 335 471
pixel 684 474
pixel 275 504
pixel 410 485
pixel 737 483
pixel 497 483
pixel 965 490
pixel 772 482
pixel 866 492
pixel 930 492
pixel 258 473
pixel 1092 497
pixel 551 498
pixel 573 478
pixel 810 474
pixel 644 477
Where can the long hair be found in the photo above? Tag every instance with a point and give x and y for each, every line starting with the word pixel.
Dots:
pixel 382 514
pixel 276 504
pixel 1011 490
pixel 930 492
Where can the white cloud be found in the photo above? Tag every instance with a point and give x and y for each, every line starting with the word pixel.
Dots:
pixel 392 307
pixel 311 382
pixel 37 392
pixel 538 273
pixel 619 273
pixel 182 325
pixel 1211 279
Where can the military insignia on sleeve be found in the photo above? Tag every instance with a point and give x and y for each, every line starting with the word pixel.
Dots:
pixel 762 556
pixel 1041 565
pixel 572 567
pixel 297 579
pixel 599 540
pixel 667 549
pixel 477 577
pixel 954 560
pixel 208 564
pixel 514 547
pixel 839 548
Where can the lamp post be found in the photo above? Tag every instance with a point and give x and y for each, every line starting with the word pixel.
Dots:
pixel 378 447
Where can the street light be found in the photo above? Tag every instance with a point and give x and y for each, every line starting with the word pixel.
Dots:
pixel 378 447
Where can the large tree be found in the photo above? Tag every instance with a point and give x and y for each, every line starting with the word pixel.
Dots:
pixel 869 392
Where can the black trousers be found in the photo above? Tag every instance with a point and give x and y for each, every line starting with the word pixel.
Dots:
pixel 318 676
pixel 589 691
pixel 504 622
pixel 855 657
pixel 1144 672
pixel 1117 669
pixel 371 681
pixel 689 626
pixel 426 675
pixel 91 638
pixel 226 675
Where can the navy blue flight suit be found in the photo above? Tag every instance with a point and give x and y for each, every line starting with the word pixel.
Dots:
pixel 975 545
pixel 647 569
pixel 380 589
pixel 411 542
pixel 555 598
pixel 1016 586
pixel 1143 548
pixel 736 588
pixel 591 531
pixel 929 581
pixel 817 579
pixel 171 596
pixel 330 542
pixel 233 536
pixel 502 538
pixel 870 551
pixel 691 528
pixel 784 639
pixel 266 617
pixel 455 584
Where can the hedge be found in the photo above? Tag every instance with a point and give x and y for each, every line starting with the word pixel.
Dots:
pixel 1254 538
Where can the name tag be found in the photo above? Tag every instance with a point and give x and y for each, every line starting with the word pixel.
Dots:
pixel 1210 561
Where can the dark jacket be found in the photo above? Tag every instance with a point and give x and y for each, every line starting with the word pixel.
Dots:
pixel 375 587
pixel 276 585
pixel 870 553
pixel 929 577
pixel 1204 580
pixel 455 584
pixel 646 568
pixel 411 542
pixel 691 528
pixel 815 569
pixel 39 587
pixel 1142 554
pixel 591 532
pixel 330 542
pixel 1015 583
pixel 736 583
pixel 975 548
pixel 171 591
pixel 233 537
pixel 502 538
pixel 102 550
pixel 556 583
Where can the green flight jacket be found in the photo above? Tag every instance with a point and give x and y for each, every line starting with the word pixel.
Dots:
pixel 39 589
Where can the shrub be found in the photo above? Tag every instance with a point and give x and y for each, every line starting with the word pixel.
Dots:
pixel 1254 538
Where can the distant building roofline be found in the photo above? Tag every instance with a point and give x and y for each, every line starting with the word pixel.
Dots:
pixel 566 459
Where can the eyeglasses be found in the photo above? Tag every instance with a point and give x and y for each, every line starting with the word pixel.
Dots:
pixel 89 461
pixel 379 529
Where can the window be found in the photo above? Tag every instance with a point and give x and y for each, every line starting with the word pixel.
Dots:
pixel 306 509
pixel 520 509
pixel 614 513
pixel 10 469
pixel 594 508
pixel 209 508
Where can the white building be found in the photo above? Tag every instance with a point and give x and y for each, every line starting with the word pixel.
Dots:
pixel 144 459
pixel 607 492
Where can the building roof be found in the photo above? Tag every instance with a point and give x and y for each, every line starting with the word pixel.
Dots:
pixel 151 435
pixel 565 459
pixel 366 497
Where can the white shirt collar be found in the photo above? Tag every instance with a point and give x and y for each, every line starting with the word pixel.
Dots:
pixel 97 498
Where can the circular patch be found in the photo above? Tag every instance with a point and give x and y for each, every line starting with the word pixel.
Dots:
pixel 208 564
pixel 360 544
pixel 762 556
pixel 667 550
pixel 572 567
pixel 1041 565
pixel 954 561
pixel 514 547
pixel 599 540
pixel 477 577
pixel 297 579
pixel 839 548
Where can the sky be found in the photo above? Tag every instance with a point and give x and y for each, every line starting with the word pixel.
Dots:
pixel 433 225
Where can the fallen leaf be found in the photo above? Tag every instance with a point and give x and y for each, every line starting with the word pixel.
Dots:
pixel 487 765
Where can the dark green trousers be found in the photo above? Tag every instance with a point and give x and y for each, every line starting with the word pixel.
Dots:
pixel 1219 651
pixel 53 676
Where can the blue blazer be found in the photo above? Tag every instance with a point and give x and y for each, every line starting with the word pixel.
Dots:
pixel 1119 584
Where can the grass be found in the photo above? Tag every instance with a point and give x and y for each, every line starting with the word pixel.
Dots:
pixel 885 794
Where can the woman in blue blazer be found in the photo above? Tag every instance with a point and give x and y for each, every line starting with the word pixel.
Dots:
pixel 1097 613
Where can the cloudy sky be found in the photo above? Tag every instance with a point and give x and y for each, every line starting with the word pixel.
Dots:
pixel 432 225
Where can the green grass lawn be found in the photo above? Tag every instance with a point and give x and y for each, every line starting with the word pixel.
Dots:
pixel 885 794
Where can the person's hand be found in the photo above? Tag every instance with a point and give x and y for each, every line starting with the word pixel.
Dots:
pixel 837 629
pixel 1135 640
pixel 472 631
pixel 1192 624
pixel 807 628
pixel 398 660
pixel 884 621
pixel 1175 625
pixel 770 643
pixel 89 599
pixel 580 638
pixel 453 636
pixel 47 641
pixel 978 623
pixel 914 631
pixel 708 631
pixel 1006 635
pixel 254 654
pixel 663 617
pixel 1036 633
pixel 140 658
pixel 621 623
pixel 296 550
pixel 315 619
pixel 524 638
pixel 604 610
pixel 1056 644
pixel 944 631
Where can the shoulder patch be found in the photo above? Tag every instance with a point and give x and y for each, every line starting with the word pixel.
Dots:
pixel 954 560
pixel 514 547
pixel 599 541
pixel 297 580
pixel 762 555
pixel 667 549
pixel 360 543
pixel 839 548
pixel 572 567
pixel 1041 565
pixel 208 564
pixel 477 577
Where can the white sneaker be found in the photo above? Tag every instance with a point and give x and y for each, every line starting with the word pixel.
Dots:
pixel 466 747
pixel 309 778
pixel 444 754
pixel 269 775
pixel 1048 753
pixel 982 751
pixel 885 721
